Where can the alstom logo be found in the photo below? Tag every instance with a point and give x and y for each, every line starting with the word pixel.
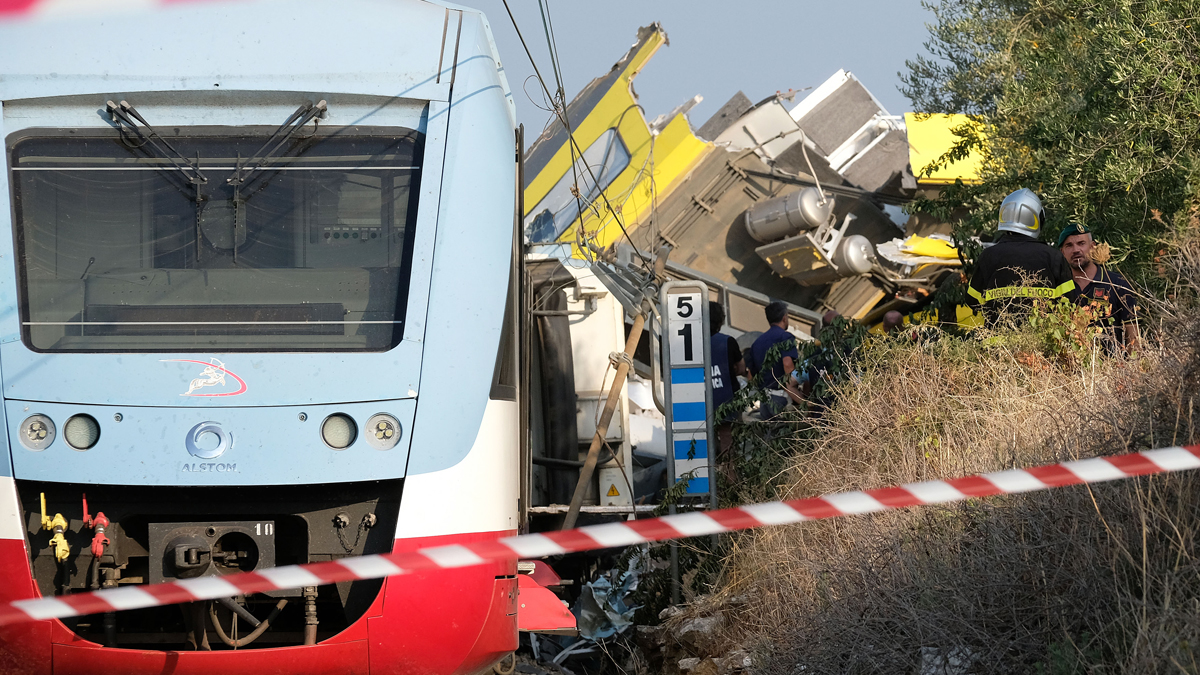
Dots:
pixel 208 440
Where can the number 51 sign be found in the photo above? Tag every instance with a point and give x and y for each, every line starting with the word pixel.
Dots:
pixel 688 384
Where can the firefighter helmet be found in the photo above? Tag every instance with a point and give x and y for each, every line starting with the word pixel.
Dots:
pixel 1021 212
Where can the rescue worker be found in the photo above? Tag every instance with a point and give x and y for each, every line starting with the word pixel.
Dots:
pixel 727 365
pixel 1105 291
pixel 775 380
pixel 1018 267
pixel 831 363
pixel 892 321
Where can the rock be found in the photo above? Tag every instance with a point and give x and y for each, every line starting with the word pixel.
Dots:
pixel 649 637
pixel 689 664
pixel 671 612
pixel 734 662
pixel 706 667
pixel 701 633
pixel 938 661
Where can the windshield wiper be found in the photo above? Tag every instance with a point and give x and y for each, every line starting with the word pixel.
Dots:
pixel 127 117
pixel 303 115
pixel 240 179
pixel 124 115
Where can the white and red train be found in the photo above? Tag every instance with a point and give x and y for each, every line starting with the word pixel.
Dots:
pixel 259 293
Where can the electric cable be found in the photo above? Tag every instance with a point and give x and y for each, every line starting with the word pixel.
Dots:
pixel 552 45
pixel 563 117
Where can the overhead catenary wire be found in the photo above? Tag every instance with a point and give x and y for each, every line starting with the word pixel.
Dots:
pixel 552 46
pixel 550 97
pixel 560 103
pixel 648 163
pixel 577 155
pixel 560 112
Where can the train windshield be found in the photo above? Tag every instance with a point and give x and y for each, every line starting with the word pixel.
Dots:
pixel 123 247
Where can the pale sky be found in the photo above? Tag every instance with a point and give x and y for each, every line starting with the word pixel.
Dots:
pixel 716 48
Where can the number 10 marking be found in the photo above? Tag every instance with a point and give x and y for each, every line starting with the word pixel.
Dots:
pixel 264 528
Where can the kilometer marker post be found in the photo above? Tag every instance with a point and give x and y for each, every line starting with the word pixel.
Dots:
pixel 688 391
pixel 688 387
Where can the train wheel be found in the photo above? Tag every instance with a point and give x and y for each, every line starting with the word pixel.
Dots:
pixel 500 669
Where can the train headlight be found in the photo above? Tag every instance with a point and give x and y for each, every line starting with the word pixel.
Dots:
pixel 383 432
pixel 37 432
pixel 338 431
pixel 81 432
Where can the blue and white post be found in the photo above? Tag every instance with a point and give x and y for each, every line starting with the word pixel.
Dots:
pixel 688 386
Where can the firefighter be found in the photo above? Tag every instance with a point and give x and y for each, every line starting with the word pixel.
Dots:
pixel 1105 291
pixel 1018 267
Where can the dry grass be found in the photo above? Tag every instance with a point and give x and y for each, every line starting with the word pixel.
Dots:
pixel 1090 580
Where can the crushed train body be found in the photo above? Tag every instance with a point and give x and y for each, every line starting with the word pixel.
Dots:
pixel 800 201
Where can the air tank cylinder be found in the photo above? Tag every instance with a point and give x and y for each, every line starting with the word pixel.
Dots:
pixel 854 255
pixel 788 215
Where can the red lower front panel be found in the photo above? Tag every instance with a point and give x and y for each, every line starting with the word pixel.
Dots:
pixel 349 658
pixel 25 647
pixel 444 622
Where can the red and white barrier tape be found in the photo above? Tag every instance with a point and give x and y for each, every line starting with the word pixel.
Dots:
pixel 21 9
pixel 609 535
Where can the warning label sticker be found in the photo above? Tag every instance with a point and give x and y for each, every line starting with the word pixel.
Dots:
pixel 612 491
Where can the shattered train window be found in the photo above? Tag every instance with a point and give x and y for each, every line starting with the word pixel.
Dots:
pixel 607 157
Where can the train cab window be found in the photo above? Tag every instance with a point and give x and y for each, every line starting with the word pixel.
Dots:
pixel 123 249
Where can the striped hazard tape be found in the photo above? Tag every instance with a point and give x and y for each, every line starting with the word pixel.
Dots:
pixel 609 535
pixel 22 8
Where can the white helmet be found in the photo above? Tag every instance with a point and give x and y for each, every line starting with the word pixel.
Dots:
pixel 1022 212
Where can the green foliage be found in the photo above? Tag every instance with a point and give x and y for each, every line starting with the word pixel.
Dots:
pixel 1094 105
pixel 764 448
pixel 1064 331
pixel 963 73
pixel 1068 658
pixel 675 493
pixel 699 564
pixel 763 451
pixel 830 359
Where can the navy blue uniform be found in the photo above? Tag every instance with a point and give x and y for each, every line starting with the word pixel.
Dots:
pixel 1111 299
pixel 725 354
pixel 776 378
